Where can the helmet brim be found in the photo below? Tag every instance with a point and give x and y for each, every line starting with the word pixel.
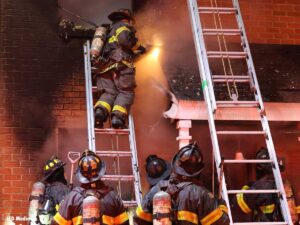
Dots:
pixel 115 16
pixel 180 171
pixel 50 173
pixel 153 181
pixel 84 180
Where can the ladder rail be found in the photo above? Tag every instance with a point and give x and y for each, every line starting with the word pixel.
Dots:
pixel 135 177
pixel 249 58
pixel 193 8
pixel 265 124
pixel 207 86
pixel 135 166
pixel 276 172
pixel 89 97
pixel 201 51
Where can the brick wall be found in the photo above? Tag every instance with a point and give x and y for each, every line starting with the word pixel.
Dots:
pixel 41 87
pixel 272 21
pixel 41 84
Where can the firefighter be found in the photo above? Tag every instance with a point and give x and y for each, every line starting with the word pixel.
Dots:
pixel 259 207
pixel 192 203
pixel 56 188
pixel 116 78
pixel 157 169
pixel 89 172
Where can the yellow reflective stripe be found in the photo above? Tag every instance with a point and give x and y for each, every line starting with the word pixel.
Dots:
pixel 104 104
pixel 108 219
pixel 143 215
pixel 214 215
pixel 114 38
pixel 77 220
pixel 241 202
pixel 223 208
pixel 266 209
pixel 113 66
pixel 122 218
pixel 298 209
pixel 128 64
pixel 46 167
pixel 60 220
pixel 187 216
pixel 120 108
pixel 56 207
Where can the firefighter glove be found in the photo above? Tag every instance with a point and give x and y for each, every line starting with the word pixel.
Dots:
pixel 141 49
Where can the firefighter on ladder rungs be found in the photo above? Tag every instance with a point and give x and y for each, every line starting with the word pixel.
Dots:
pixel 113 50
pixel 93 202
pixel 261 207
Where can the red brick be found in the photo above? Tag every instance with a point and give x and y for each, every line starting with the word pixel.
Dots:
pixel 5 197
pixel 78 113
pixel 21 171
pixel 20 157
pixel 12 177
pixel 22 196
pixel 71 94
pixel 12 163
pixel 27 163
pixel 5 171
pixel 12 203
pixel 12 189
pixel 5 183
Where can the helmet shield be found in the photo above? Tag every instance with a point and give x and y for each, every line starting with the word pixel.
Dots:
pixel 90 168
pixel 157 169
pixel 188 161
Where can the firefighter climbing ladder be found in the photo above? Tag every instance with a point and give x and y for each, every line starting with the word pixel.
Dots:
pixel 208 80
pixel 115 154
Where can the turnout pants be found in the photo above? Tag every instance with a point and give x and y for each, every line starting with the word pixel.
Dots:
pixel 116 88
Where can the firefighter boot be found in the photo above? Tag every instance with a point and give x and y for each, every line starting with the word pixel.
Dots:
pixel 100 117
pixel 118 120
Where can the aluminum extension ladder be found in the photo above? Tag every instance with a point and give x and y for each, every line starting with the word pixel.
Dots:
pixel 115 153
pixel 208 81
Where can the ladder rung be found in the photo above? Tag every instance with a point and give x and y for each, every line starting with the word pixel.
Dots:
pixel 237 103
pixel 130 204
pixel 241 132
pixel 270 191
pixel 261 223
pixel 111 131
pixel 117 178
pixel 94 89
pixel 234 76
pixel 221 31
pixel 222 54
pixel 114 153
pixel 221 10
pixel 248 161
pixel 230 78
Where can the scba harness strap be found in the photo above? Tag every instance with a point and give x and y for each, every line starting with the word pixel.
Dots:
pixel 40 198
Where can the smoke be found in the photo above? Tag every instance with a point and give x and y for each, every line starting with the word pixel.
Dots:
pixel 93 10
pixel 160 28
